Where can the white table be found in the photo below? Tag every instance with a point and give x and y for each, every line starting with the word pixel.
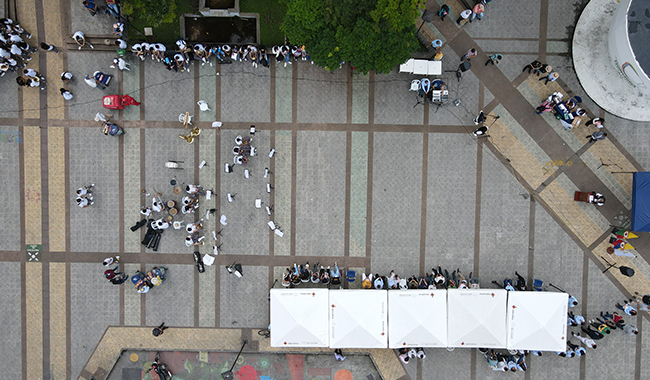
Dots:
pixel 406 67
pixel 434 68
pixel 421 67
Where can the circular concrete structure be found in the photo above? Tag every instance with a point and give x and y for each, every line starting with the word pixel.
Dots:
pixel 609 56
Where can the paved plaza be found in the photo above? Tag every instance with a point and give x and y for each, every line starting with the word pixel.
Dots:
pixel 362 175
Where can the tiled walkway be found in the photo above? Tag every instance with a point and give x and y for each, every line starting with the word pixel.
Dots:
pixel 360 176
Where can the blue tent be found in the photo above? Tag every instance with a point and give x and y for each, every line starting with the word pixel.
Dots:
pixel 641 202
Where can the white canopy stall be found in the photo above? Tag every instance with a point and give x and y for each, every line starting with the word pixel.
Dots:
pixel 537 321
pixel 417 318
pixel 476 318
pixel 358 319
pixel 299 317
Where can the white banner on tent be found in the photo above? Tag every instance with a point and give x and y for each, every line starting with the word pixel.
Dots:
pixel 476 318
pixel 537 321
pixel 299 318
pixel 417 318
pixel 358 319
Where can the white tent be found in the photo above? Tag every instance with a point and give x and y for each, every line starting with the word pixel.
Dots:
pixel 299 317
pixel 537 321
pixel 476 318
pixel 417 318
pixel 358 319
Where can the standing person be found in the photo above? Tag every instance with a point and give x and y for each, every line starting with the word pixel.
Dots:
pixel 444 11
pixel 66 76
pixel 577 349
pixel 158 331
pixel 494 59
pixel 80 38
pixel 477 12
pixel 627 308
pixel 48 47
pixel 552 77
pixel 117 280
pixel 110 273
pixel 464 16
pixel 67 95
pixel 532 66
pixel 111 8
pixel 597 122
pixel 586 341
pixel 598 135
pixel 471 53
pixel 338 354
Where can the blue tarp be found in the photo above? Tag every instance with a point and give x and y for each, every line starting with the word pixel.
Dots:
pixel 641 202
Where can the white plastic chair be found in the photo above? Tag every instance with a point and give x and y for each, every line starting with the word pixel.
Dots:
pixel 271 225
pixel 415 85
pixel 247 173
pixel 208 260
pixel 182 119
pixel 216 124
pixel 203 105
pixel 279 233
pixel 258 203
pixel 223 220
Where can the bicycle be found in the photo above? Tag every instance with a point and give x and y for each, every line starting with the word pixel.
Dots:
pixel 266 333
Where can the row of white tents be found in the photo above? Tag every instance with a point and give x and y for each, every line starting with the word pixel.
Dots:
pixel 490 318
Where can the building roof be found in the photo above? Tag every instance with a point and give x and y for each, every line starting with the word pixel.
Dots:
pixel 638 29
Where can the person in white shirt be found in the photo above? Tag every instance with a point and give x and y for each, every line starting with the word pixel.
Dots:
pixel 90 81
pixel 80 39
pixel 120 43
pixel 66 76
pixel 586 341
pixel 120 64
pixel 67 95
pixel 464 15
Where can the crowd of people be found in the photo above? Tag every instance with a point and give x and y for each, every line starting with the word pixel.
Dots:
pixel 179 59
pixel 166 210
pixel 15 52
pixel 85 196
pixel 318 275
pixel 437 279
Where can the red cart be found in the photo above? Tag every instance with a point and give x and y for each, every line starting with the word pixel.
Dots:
pixel 118 102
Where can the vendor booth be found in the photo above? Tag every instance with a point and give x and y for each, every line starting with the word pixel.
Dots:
pixel 476 318
pixel 537 321
pixel 641 202
pixel 299 317
pixel 358 319
pixel 417 318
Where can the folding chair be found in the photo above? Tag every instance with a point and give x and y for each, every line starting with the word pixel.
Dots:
pixel 537 285
pixel 350 275
pixel 173 165
pixel 203 105
pixel 415 85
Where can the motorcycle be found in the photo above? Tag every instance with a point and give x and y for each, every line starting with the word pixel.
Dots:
pixel 199 262
pixel 144 282
pixel 112 129
pixel 159 370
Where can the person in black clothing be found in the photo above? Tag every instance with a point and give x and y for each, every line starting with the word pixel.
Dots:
pixel 593 334
pixel 158 331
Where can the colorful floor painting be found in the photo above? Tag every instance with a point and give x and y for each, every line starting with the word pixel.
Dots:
pixel 134 365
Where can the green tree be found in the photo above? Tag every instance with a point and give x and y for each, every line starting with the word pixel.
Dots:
pixel 369 34
pixel 153 12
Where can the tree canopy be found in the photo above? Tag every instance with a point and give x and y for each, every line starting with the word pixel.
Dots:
pixel 153 12
pixel 369 34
